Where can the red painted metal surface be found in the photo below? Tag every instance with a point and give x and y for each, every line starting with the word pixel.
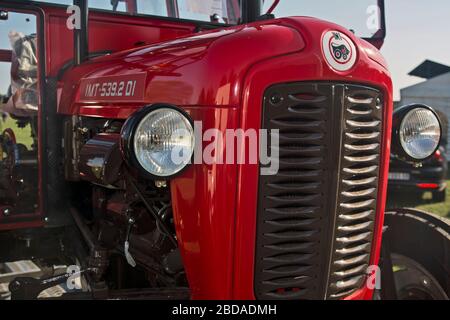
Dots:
pixel 204 202
pixel 5 55
pixel 304 66
pixel 206 69
pixel 21 225
pixel 219 78
pixel 107 33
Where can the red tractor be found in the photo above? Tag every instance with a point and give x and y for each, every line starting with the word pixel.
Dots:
pixel 139 164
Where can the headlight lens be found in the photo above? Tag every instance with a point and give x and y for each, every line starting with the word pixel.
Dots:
pixel 420 133
pixel 163 142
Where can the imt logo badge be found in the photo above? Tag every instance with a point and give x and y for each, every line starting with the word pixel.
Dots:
pixel 339 50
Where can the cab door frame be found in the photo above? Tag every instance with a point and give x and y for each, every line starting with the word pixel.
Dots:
pixel 36 219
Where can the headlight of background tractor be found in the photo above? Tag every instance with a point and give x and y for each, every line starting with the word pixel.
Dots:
pixel 158 140
pixel 417 131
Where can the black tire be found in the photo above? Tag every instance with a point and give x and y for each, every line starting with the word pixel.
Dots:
pixel 424 239
pixel 439 196
pixel 414 282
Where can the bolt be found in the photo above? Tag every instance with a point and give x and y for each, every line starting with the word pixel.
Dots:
pixel 6 212
pixel 14 285
pixel 83 130
pixel 418 165
pixel 161 184
pixel 378 106
pixel 276 99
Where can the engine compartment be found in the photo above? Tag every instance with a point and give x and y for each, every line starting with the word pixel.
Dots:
pixel 129 219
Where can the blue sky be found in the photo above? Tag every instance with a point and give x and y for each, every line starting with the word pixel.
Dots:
pixel 416 30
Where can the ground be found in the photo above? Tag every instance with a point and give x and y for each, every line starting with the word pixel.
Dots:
pixel 442 209
pixel 425 204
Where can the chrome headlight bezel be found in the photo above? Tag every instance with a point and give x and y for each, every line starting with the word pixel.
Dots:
pixel 128 135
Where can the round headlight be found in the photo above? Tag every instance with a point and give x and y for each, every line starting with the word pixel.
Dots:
pixel 159 139
pixel 420 133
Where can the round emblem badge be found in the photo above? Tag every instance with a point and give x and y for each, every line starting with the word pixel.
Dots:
pixel 339 50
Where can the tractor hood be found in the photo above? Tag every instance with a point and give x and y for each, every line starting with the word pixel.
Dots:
pixel 205 69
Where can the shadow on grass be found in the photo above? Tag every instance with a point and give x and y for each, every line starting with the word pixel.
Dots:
pixel 424 203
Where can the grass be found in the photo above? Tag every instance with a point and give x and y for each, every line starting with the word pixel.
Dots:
pixel 23 135
pixel 405 200
pixel 442 209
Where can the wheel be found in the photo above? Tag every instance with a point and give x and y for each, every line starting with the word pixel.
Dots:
pixel 439 196
pixel 338 54
pixel 413 282
pixel 421 242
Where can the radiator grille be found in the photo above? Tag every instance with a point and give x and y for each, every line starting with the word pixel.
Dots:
pixel 357 191
pixel 316 216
